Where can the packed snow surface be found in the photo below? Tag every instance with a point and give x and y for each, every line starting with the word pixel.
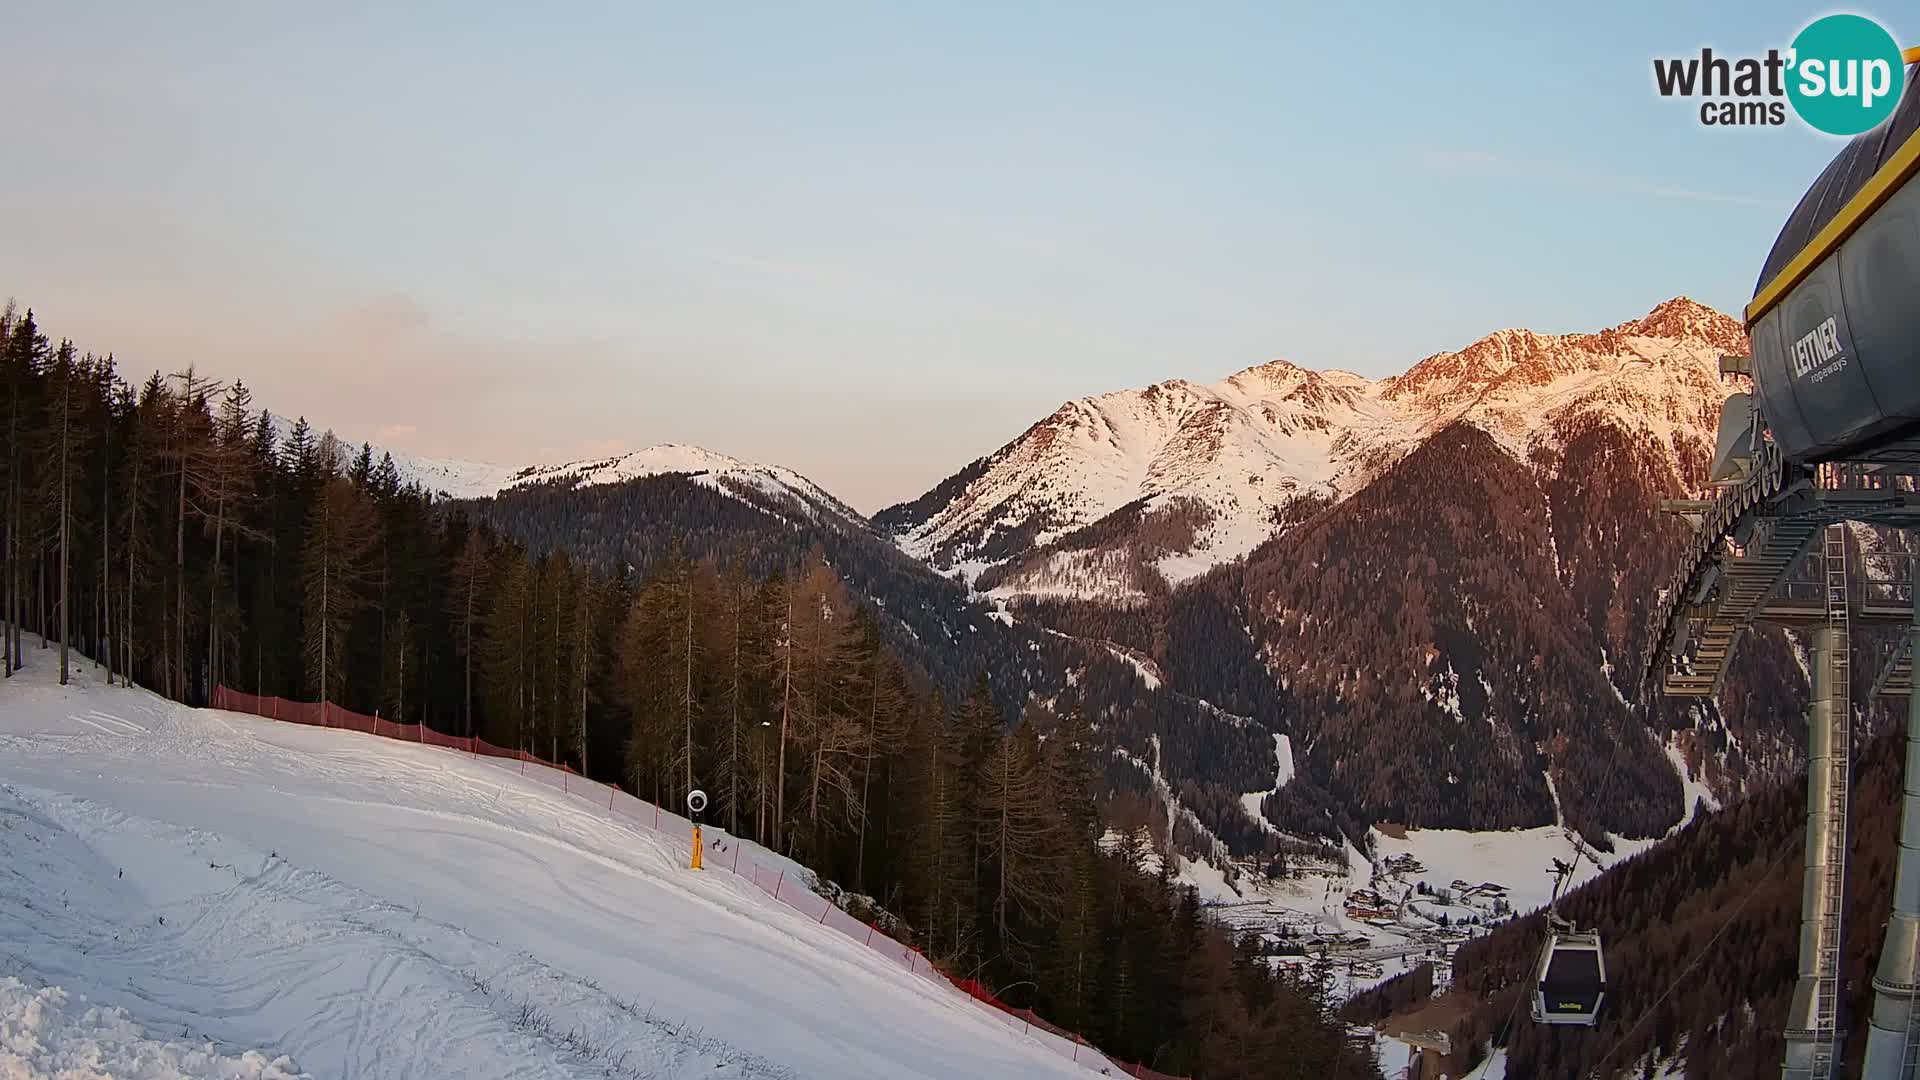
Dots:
pixel 230 894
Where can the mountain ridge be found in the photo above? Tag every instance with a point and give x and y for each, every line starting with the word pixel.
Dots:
pixel 1231 458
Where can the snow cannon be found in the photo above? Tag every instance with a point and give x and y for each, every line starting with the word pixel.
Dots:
pixel 696 805
pixel 1834 322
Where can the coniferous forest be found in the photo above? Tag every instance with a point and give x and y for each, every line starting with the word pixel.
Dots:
pixel 170 533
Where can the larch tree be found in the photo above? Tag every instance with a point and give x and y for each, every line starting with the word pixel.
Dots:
pixel 784 646
pixel 731 752
pixel 1022 837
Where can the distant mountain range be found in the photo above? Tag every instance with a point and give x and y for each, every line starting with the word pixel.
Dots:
pixel 1123 495
pixel 1435 584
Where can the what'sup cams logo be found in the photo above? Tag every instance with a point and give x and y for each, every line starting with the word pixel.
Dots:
pixel 1842 75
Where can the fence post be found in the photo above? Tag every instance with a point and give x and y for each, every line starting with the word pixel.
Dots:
pixel 777 884
pixel 656 817
pixel 870 929
pixel 823 913
pixel 736 855
pixel 323 711
pixel 610 791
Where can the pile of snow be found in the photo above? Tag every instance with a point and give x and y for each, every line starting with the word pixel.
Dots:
pixel 50 1033
pixel 374 908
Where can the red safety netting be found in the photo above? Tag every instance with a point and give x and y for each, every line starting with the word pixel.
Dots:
pixel 724 853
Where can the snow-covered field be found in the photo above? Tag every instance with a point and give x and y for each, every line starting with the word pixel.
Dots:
pixel 209 894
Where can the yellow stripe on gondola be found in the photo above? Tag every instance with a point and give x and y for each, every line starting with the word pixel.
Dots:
pixel 1889 179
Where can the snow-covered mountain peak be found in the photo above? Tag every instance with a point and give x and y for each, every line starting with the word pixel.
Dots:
pixel 656 460
pixel 1685 319
pixel 1202 474
pixel 1347 380
pixel 773 487
pixel 1681 330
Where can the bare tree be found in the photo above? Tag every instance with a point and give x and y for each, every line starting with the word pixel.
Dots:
pixel 1021 836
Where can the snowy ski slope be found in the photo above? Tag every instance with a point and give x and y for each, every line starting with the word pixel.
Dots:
pixel 244 890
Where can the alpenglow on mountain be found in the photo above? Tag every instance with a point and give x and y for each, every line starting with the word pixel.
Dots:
pixel 1462 554
pixel 1119 496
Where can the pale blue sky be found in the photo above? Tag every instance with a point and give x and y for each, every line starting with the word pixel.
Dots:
pixel 867 242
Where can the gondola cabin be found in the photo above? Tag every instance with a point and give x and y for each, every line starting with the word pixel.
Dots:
pixel 1571 980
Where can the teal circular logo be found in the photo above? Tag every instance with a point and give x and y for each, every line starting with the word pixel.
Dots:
pixel 1845 74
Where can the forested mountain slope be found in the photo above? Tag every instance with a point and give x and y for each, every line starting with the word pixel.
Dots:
pixel 1713 915
pixel 172 535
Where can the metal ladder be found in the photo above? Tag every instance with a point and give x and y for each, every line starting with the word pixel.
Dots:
pixel 1840 685
pixel 1910 1044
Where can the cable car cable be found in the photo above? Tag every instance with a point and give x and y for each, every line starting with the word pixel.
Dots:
pixel 1577 956
pixel 1694 962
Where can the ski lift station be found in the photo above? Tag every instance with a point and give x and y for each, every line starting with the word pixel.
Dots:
pixel 1826 432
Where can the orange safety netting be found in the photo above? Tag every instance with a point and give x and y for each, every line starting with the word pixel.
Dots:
pixel 724 854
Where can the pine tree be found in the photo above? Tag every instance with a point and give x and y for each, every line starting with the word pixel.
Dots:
pixel 585 627
pixel 1072 968
pixel 66 437
pixel 150 419
pixel 555 644
pixel 8 319
pixel 399 671
pixel 977 729
pixel 886 727
pixel 470 586
pixel 224 494
pixel 26 355
pixel 341 534
pixel 507 642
